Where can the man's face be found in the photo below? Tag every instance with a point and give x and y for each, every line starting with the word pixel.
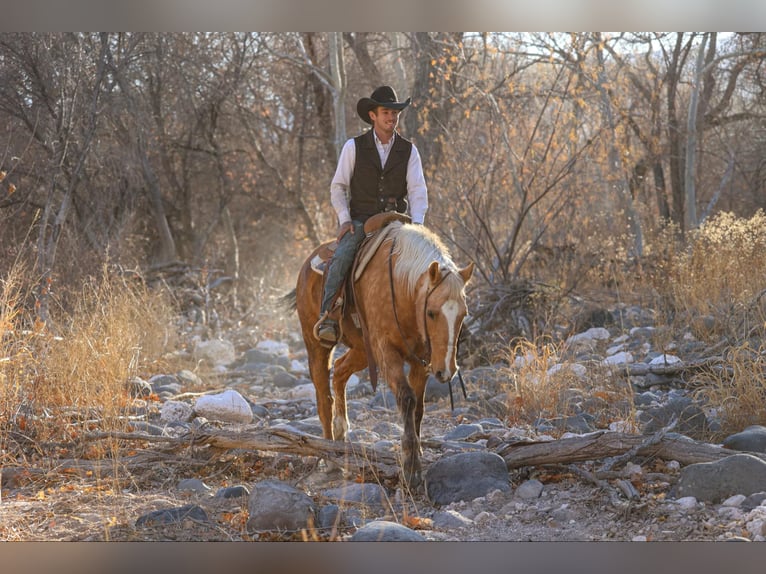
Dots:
pixel 384 120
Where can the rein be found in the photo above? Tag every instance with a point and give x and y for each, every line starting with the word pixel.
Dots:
pixel 423 361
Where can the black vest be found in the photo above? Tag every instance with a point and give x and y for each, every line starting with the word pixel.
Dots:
pixel 375 189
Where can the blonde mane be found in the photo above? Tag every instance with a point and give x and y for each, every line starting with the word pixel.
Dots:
pixel 416 247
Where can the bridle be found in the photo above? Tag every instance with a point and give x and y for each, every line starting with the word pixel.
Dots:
pixel 425 361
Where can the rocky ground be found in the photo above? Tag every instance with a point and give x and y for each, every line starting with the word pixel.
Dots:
pixel 162 488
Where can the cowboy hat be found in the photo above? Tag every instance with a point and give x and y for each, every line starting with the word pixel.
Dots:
pixel 383 96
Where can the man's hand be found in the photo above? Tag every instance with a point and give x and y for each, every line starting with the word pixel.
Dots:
pixel 347 227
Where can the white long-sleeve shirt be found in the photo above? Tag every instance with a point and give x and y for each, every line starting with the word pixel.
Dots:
pixel 417 193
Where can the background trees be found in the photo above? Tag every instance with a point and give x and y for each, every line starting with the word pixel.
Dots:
pixel 216 150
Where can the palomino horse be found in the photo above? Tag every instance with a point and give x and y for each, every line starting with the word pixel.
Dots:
pixel 410 296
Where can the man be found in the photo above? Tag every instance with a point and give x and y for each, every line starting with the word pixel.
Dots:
pixel 377 171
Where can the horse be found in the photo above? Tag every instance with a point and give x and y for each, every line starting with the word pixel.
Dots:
pixel 405 307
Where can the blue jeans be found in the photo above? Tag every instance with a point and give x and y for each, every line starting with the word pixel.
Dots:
pixel 340 263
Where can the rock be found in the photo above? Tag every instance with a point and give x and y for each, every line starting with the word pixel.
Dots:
pixel 592 334
pixel 284 380
pixel 529 489
pixel 275 505
pixel 228 406
pixel 621 358
pixel 311 426
pixel 465 476
pixel 580 424
pixel 463 431
pixel 237 491
pixel 716 481
pixel 384 398
pixel 277 348
pixel 175 412
pixel 691 418
pixel 172 515
pixel 752 439
pixel 385 531
pixel 449 519
pixel 305 391
pixel 165 383
pixel 754 500
pixel 365 493
pixel 436 390
pixel 329 517
pixel 190 378
pixel 687 502
pixel 193 485
pixel 665 359
pixel 217 352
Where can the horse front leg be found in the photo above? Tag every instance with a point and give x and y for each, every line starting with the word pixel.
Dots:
pixel 417 379
pixel 406 401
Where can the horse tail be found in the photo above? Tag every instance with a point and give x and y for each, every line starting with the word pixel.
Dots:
pixel 288 301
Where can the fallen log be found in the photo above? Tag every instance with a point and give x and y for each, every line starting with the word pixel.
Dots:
pixel 349 455
pixel 604 444
pixel 345 454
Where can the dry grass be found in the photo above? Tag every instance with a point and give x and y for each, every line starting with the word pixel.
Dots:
pixel 737 390
pixel 543 391
pixel 717 284
pixel 70 375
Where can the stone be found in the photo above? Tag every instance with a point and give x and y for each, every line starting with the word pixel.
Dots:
pixel 386 531
pixel 193 485
pixel 752 439
pixel 172 516
pixel 529 489
pixel 715 481
pixel 276 505
pixel 176 411
pixel 228 406
pixel 464 431
pixel 465 476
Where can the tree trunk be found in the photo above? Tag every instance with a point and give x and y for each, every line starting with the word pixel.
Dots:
pixel 690 167
pixel 338 78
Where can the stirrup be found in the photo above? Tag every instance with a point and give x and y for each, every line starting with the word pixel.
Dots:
pixel 326 329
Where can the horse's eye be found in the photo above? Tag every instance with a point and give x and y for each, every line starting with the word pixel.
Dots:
pixel 431 315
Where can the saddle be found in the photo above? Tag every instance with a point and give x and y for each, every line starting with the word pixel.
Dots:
pixel 373 229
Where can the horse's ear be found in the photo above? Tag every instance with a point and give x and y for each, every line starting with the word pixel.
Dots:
pixel 466 272
pixel 434 273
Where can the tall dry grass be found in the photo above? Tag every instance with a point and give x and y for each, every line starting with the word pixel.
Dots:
pixel 70 376
pixel 716 285
pixel 736 390
pixel 546 389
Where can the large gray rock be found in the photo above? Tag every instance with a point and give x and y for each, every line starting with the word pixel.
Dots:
pixel 385 531
pixel 752 439
pixel 691 418
pixel 716 481
pixel 466 476
pixel 276 505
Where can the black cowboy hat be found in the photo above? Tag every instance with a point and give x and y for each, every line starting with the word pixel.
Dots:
pixel 383 96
